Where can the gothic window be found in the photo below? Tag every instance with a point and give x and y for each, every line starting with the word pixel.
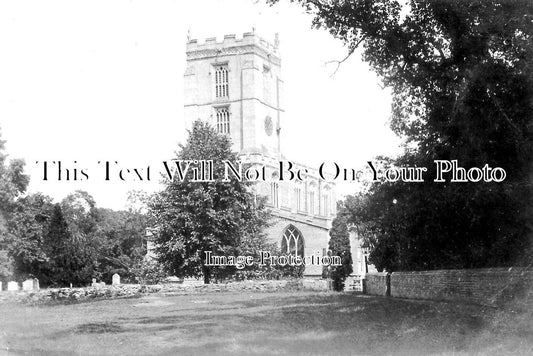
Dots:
pixel 222 115
pixel 274 194
pixel 312 210
pixel 292 242
pixel 325 202
pixel 298 197
pixel 286 200
pixel 221 81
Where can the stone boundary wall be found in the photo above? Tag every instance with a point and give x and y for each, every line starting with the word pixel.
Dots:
pixel 488 286
pixel 375 283
pixel 72 295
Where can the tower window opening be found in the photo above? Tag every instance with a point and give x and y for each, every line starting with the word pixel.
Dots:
pixel 223 120
pixel 221 82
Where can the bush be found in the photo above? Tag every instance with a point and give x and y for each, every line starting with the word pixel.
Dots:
pixel 269 271
pixel 149 271
pixel 339 245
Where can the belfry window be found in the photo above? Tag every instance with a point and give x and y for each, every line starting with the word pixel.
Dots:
pixel 222 115
pixel 292 242
pixel 221 81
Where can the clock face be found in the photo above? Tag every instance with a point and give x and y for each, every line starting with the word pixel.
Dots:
pixel 268 125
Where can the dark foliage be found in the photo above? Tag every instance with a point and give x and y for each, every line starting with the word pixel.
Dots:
pixel 193 217
pixel 461 74
pixel 339 245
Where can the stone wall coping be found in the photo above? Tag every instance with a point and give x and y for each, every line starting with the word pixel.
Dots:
pixel 466 271
pixel 381 274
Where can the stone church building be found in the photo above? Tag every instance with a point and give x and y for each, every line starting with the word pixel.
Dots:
pixel 236 86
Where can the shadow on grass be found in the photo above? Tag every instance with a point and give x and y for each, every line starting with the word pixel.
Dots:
pixel 99 328
pixel 322 324
pixel 302 323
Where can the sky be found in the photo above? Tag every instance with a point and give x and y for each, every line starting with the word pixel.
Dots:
pixel 89 81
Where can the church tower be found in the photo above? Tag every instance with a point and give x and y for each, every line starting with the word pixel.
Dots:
pixel 236 86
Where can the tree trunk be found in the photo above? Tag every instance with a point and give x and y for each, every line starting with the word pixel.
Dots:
pixel 206 273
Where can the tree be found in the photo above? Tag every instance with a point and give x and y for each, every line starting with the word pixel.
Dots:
pixel 79 209
pixel 34 241
pixel 13 183
pixel 6 266
pixel 461 74
pixel 25 242
pixel 122 248
pixel 339 245
pixel 85 241
pixel 194 217
pixel 58 249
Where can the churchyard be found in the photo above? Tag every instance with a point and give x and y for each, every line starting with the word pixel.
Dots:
pixel 263 323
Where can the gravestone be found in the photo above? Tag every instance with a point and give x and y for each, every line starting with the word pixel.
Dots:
pixel 102 284
pixel 30 284
pixel 0 286
pixel 12 286
pixel 94 284
pixel 116 279
pixel 193 281
pixel 27 285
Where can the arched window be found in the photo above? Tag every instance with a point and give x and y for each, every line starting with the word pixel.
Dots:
pixel 312 199
pixel 221 82
pixel 299 197
pixel 326 201
pixel 292 242
pixel 274 190
pixel 326 204
pixel 274 194
pixel 222 120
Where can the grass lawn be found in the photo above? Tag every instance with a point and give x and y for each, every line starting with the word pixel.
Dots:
pixel 306 323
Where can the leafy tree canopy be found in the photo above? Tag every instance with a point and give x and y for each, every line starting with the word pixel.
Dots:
pixel 193 217
pixel 121 234
pixel 13 183
pixel 461 74
pixel 35 243
pixel 27 229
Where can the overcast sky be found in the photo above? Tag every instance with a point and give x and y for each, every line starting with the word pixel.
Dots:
pixel 103 80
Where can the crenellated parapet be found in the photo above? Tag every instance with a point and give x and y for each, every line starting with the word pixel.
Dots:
pixel 232 45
